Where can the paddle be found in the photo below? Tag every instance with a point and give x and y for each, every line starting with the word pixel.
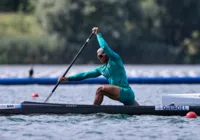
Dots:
pixel 86 42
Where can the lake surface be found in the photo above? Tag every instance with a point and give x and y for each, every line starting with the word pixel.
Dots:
pixel 96 126
pixel 131 70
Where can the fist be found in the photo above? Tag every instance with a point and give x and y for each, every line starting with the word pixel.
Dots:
pixel 61 79
pixel 95 30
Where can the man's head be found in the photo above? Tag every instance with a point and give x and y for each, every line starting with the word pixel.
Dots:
pixel 103 58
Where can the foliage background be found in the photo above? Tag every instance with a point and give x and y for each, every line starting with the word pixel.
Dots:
pixel 141 31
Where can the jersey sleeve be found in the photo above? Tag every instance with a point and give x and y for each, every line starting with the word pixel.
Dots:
pixel 84 75
pixel 109 52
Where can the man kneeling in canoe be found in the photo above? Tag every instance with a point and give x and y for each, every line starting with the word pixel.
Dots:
pixel 113 70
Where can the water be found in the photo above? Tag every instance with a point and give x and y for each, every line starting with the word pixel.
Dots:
pixel 131 70
pixel 95 126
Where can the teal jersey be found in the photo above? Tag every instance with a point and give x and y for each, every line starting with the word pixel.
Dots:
pixel 113 71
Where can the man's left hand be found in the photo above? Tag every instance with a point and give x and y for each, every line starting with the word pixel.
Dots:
pixel 95 30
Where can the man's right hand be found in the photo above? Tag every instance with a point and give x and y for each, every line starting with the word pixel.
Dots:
pixel 62 79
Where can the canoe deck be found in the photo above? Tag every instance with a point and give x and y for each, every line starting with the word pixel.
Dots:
pixel 52 108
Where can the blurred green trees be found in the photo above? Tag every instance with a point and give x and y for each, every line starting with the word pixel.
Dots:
pixel 141 31
pixel 16 5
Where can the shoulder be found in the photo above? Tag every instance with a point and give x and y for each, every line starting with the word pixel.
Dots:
pixel 116 57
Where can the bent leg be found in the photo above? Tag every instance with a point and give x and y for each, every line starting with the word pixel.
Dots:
pixel 113 92
pixel 98 97
pixel 110 91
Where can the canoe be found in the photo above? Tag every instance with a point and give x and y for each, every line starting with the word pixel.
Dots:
pixel 27 107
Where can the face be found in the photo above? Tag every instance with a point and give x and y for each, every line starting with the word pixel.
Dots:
pixel 102 56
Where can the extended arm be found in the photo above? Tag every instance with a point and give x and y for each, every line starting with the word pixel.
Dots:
pixel 109 52
pixel 81 76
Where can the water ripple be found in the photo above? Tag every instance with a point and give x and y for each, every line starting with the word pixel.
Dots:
pixel 98 126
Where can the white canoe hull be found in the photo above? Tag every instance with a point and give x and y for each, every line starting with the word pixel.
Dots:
pixel 181 99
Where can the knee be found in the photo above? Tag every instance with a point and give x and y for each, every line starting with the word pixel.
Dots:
pixel 99 93
pixel 100 90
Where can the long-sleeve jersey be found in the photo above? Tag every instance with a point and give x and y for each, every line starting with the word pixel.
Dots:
pixel 113 71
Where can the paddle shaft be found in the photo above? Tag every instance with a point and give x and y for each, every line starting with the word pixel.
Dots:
pixel 86 42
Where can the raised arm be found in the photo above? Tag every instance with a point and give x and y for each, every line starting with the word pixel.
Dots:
pixel 81 76
pixel 109 52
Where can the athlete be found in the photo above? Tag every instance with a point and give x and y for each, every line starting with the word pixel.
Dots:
pixel 113 70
